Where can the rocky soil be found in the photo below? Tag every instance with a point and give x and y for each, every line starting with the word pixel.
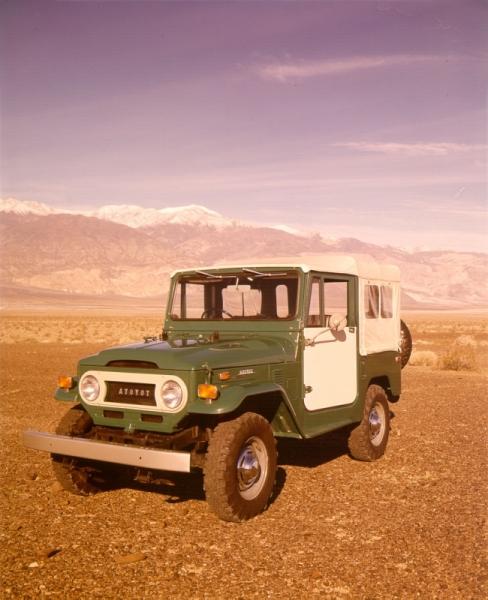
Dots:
pixel 411 525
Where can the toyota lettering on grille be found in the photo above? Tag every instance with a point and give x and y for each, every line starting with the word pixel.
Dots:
pixel 134 392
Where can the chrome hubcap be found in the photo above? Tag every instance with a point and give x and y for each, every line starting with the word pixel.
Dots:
pixel 377 424
pixel 252 466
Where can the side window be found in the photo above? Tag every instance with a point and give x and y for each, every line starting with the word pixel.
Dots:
pixel 282 302
pixel 386 302
pixel 335 298
pixel 371 301
pixel 176 311
pixel 313 319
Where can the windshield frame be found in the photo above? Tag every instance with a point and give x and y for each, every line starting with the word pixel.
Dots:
pixel 221 274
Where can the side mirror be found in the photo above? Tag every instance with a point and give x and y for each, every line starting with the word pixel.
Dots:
pixel 337 322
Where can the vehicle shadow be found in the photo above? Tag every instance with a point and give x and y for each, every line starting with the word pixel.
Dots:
pixel 314 452
pixel 319 450
pixel 178 487
pixel 181 487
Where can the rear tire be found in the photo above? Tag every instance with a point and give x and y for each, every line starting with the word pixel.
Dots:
pixel 74 475
pixel 369 439
pixel 240 467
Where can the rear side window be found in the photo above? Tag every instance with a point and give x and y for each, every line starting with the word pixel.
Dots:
pixel 371 301
pixel 386 302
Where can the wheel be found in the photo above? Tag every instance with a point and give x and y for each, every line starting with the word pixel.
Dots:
pixel 76 476
pixel 240 467
pixel 368 440
pixel 405 344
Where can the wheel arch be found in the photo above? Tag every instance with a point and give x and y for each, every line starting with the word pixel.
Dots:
pixel 384 382
pixel 274 406
pixel 268 400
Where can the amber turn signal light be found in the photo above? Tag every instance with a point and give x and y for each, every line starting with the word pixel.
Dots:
pixel 224 376
pixel 65 383
pixel 206 391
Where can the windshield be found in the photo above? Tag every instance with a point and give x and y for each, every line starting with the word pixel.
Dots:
pixel 245 295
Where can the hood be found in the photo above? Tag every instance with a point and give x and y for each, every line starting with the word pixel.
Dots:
pixel 190 354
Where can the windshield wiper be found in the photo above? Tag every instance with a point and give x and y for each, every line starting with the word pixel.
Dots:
pixel 244 269
pixel 211 275
pixel 259 274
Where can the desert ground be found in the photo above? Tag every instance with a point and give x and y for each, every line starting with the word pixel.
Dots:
pixel 411 525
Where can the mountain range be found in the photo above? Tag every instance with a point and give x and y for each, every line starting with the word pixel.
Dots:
pixel 126 251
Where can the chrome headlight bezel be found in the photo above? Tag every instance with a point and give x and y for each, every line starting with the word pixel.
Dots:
pixel 89 388
pixel 172 395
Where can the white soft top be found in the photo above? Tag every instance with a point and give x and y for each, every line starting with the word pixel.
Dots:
pixel 364 267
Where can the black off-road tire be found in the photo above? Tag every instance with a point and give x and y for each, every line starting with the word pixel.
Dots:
pixel 405 344
pixel 369 439
pixel 70 472
pixel 240 467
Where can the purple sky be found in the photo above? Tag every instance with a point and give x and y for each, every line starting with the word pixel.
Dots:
pixel 364 119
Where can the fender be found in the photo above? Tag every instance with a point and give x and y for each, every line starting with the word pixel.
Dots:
pixel 67 395
pixel 231 398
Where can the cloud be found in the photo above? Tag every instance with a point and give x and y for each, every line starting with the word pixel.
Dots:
pixel 292 71
pixel 416 149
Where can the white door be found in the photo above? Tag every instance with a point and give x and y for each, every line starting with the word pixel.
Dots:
pixel 330 359
pixel 330 368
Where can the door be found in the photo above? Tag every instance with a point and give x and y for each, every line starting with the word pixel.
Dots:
pixel 330 357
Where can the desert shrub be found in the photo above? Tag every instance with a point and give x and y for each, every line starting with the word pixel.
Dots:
pixel 461 356
pixel 424 358
pixel 466 340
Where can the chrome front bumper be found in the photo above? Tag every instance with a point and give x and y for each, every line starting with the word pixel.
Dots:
pixel 162 460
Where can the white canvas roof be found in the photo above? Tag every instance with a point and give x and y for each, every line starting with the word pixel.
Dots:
pixel 362 266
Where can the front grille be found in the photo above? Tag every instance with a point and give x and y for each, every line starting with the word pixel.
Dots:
pixel 141 394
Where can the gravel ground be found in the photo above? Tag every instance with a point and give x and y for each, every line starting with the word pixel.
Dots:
pixel 411 525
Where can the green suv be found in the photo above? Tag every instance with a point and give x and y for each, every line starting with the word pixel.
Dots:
pixel 288 348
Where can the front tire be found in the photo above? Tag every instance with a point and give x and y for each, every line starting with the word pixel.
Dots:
pixel 71 473
pixel 240 467
pixel 369 439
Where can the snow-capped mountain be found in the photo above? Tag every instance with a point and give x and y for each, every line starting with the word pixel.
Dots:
pixel 131 215
pixel 129 250
pixel 19 207
pixel 137 216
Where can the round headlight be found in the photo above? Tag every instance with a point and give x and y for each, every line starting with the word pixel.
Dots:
pixel 172 395
pixel 89 388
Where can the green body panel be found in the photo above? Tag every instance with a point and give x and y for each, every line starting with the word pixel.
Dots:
pixel 66 395
pixel 263 360
pixel 132 419
pixel 231 397
pixel 269 397
pixel 196 361
pixel 382 366
pixel 317 422
pixel 237 349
